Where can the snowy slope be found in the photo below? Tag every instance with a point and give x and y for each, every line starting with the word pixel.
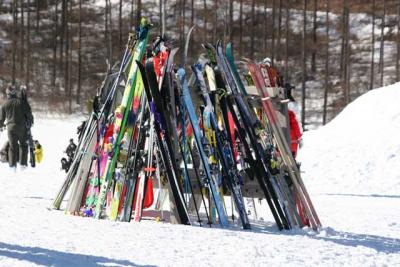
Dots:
pixel 358 151
pixel 361 216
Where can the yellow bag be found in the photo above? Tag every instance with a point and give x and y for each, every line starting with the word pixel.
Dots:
pixel 38 153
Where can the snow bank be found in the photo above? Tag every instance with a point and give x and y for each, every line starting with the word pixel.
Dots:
pixel 359 151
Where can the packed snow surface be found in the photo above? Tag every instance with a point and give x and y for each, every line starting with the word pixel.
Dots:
pixel 351 168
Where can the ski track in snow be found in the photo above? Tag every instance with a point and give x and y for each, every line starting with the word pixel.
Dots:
pixel 351 168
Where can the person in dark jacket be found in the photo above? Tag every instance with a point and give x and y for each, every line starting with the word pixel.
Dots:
pixel 16 114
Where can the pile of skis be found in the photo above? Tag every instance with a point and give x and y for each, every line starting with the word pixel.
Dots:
pixel 159 138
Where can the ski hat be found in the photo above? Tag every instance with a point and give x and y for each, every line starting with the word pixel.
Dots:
pixel 266 61
pixel 11 91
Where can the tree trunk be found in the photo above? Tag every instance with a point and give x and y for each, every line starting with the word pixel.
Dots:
pixel 230 25
pixel 161 20
pixel 120 42
pixel 304 66
pixel 110 42
pixel 14 39
pixel 28 46
pixel 215 21
pixel 62 33
pixel 346 76
pixel 342 52
pixel 253 14
pixel 55 34
pixel 381 54
pixel 66 70
pixel 371 83
pixel 265 35
pixel 287 40
pixel 37 17
pixel 314 50
pixel 22 41
pixel 183 21
pixel 326 66
pixel 241 28
pixel 273 32
pixel 138 12
pixel 192 13
pixel 279 29
pixel 205 20
pixel 78 91
pixel 131 16
pixel 106 31
pixel 70 62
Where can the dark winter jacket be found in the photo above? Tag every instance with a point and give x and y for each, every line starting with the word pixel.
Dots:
pixel 16 113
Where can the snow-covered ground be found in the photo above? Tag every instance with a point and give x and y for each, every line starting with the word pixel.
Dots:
pixel 351 168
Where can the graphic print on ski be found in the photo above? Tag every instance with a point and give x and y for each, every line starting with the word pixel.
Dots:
pixel 122 113
pixel 278 183
pixel 229 170
pixel 163 141
pixel 197 135
pixel 283 146
pixel 262 174
pixel 90 126
pixel 147 169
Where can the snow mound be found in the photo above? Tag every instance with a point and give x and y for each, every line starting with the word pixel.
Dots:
pixel 359 151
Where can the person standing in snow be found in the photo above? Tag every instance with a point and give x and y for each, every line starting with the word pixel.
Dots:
pixel 16 114
pixel 295 132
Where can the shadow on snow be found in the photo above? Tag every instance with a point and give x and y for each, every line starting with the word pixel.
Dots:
pixel 49 257
pixel 360 195
pixel 378 243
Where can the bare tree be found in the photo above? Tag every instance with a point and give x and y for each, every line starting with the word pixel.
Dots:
pixel 230 25
pixel 279 28
pixel 28 46
pixel 79 88
pixel 273 31
pixel 37 16
pixel 215 21
pixel 106 29
pixel 138 11
pixel 371 83
pixel 192 13
pixel 120 42
pixel 343 35
pixel 131 15
pixel 381 59
pixel 183 21
pixel 314 50
pixel 326 90
pixel 62 32
pixel 69 55
pixel 253 30
pixel 346 62
pixel 265 36
pixel 55 35
pixel 67 62
pixel 287 39
pixel 205 20
pixel 110 42
pixel 304 67
pixel 241 27
pixel 14 39
pixel 21 36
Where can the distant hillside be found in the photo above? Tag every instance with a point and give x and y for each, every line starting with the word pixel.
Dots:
pixel 43 56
